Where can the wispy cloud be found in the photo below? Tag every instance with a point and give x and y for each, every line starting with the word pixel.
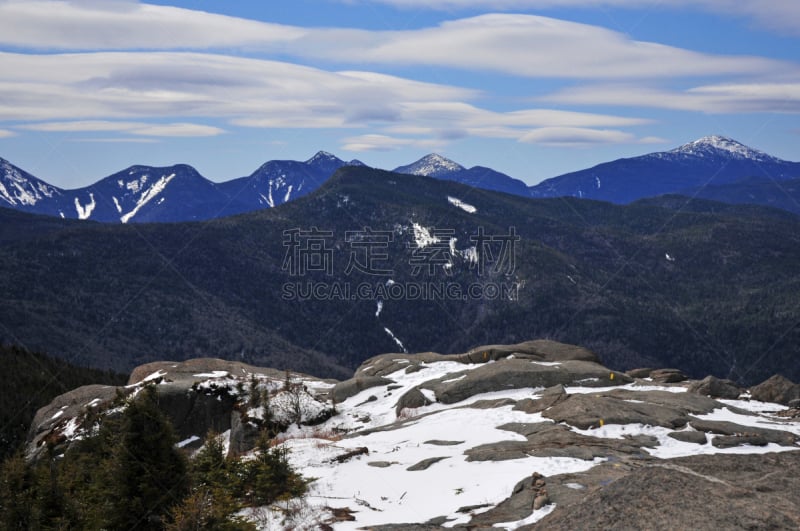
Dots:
pixel 581 136
pixel 529 46
pixel 124 92
pixel 136 128
pixel 724 98
pixel 115 25
pixel 783 15
pixel 378 142
pixel 5 133
pixel 517 44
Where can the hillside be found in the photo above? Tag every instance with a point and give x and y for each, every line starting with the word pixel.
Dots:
pixel 641 285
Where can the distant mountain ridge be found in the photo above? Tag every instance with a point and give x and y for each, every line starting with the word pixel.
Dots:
pixel 167 194
pixel 710 161
pixel 699 287
pixel 713 167
pixel 435 165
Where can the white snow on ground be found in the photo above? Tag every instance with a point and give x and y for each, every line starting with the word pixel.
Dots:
pixel 392 494
pixel 532 519
pixel 212 374
pixel 466 207
pixel 154 376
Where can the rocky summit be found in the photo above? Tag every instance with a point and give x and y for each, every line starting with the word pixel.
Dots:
pixel 538 435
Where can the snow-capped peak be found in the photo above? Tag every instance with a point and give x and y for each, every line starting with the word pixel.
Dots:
pixel 715 144
pixel 323 156
pixel 431 166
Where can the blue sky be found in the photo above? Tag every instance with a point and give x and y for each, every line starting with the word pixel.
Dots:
pixel 533 88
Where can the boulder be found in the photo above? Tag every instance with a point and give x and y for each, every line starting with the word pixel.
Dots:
pixel 776 389
pixel 519 373
pixel 639 373
pixel 703 493
pixel 546 439
pixel 715 388
pixel 548 398
pixel 537 350
pixel 344 390
pixel 591 411
pixel 540 349
pixel 198 396
pixel 667 376
pixel 730 441
pixel 412 399
pixel 527 495
pixel 425 464
pixel 689 436
pixel 784 438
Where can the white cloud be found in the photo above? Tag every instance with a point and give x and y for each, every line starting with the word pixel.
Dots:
pixel 778 14
pixel 135 128
pixel 517 44
pixel 530 46
pixel 5 133
pixel 724 98
pixel 577 136
pixel 115 140
pixel 179 130
pixel 378 142
pixel 114 25
pixel 125 91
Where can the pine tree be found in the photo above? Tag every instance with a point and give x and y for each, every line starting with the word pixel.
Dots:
pixel 270 477
pixel 150 473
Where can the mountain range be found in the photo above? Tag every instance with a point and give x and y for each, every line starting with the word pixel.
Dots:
pixel 167 194
pixel 712 167
pixel 660 282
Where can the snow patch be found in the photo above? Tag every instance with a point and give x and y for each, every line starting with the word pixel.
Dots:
pixel 399 343
pixel 187 442
pixel 423 236
pixel 85 211
pixel 148 195
pixel 466 207
pixel 212 374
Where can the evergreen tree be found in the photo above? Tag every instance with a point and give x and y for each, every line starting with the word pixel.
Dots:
pixel 270 477
pixel 150 472
pixel 17 494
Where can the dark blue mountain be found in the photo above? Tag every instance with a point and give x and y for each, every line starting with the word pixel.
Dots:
pixel 434 165
pixel 279 181
pixel 709 161
pixel 146 194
